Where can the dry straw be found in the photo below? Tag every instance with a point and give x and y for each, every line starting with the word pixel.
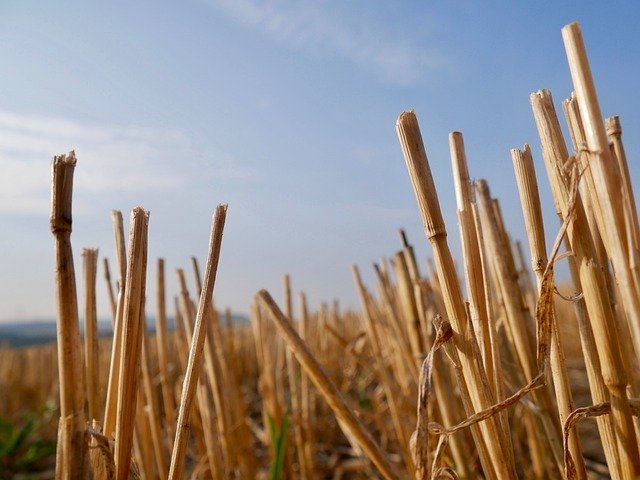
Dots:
pixel 439 375
pixel 132 333
pixel 71 445
pixel 195 354
pixel 327 388
pixel 493 447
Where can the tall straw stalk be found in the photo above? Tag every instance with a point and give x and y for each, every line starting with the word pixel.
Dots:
pixel 71 443
pixel 194 365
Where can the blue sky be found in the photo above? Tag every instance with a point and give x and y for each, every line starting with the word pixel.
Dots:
pixel 283 109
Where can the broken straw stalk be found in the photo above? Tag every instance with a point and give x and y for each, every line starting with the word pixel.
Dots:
pixel 195 355
pixel 71 449
pixel 329 391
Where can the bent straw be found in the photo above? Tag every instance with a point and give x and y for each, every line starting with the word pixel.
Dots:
pixel 194 365
pixel 492 444
pixel 71 448
pixel 330 392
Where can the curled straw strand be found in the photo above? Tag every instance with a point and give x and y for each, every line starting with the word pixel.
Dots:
pixel 420 441
pixel 544 317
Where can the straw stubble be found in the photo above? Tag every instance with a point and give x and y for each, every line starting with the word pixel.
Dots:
pixel 194 365
pixel 133 317
pixel 71 443
pixel 492 445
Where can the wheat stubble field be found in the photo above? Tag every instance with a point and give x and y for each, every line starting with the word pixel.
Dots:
pixel 476 367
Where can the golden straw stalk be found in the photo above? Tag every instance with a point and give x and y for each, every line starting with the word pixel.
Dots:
pixel 133 316
pixel 194 365
pixel 71 444
pixel 493 447
pixel 90 261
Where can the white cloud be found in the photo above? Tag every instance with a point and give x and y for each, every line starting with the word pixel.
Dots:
pixel 112 159
pixel 314 25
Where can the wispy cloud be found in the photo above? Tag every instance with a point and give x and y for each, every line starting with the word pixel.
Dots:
pixel 112 159
pixel 315 25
